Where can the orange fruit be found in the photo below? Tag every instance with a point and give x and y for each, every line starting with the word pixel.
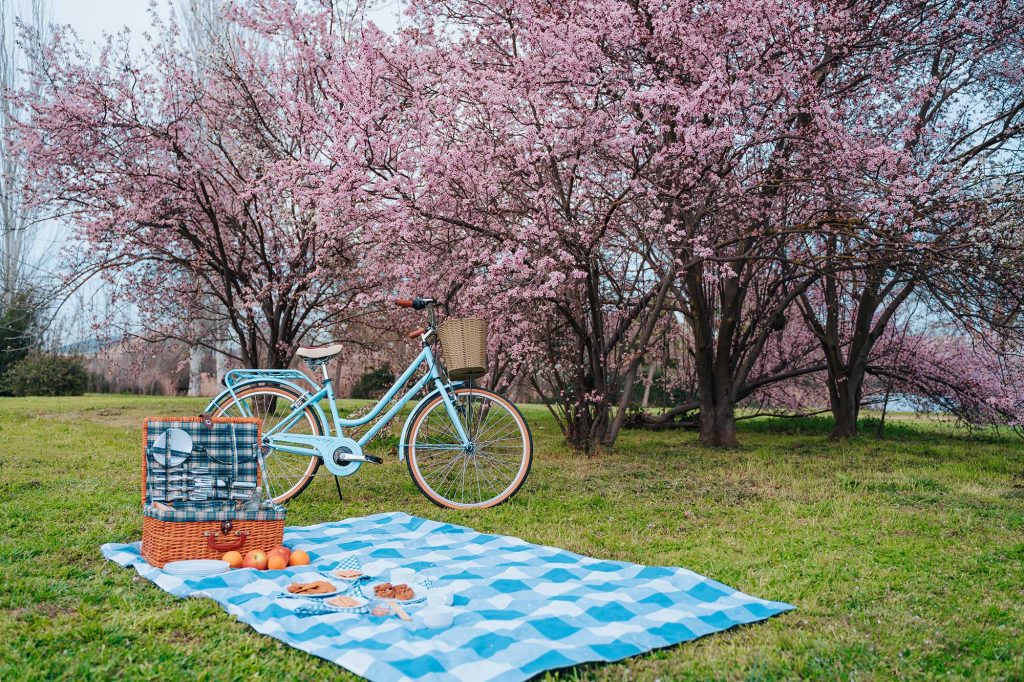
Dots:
pixel 298 558
pixel 276 562
pixel 234 559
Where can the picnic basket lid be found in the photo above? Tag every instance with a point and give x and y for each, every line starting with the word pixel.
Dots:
pixel 206 436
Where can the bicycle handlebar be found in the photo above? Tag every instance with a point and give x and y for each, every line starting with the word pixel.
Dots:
pixel 414 303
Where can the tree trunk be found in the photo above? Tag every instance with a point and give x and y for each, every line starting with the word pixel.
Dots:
pixel 845 408
pixel 885 410
pixel 221 360
pixel 647 387
pixel 718 418
pixel 195 365
pixel 587 427
pixel 712 359
pixel 874 305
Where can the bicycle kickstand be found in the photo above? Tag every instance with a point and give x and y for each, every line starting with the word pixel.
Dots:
pixel 337 484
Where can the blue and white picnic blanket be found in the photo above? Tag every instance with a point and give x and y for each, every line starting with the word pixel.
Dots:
pixel 520 608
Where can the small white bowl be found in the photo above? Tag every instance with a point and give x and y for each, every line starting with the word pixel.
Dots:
pixel 436 618
pixel 439 600
pixel 401 576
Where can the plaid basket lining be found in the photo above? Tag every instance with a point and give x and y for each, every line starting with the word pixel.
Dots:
pixel 204 512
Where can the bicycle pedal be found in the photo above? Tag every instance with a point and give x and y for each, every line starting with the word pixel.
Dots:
pixel 350 458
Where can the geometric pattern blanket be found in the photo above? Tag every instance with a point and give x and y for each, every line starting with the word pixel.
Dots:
pixel 520 608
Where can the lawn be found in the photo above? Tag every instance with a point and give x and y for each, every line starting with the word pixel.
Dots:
pixel 904 556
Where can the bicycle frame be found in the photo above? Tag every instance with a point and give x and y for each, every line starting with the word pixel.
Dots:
pixel 302 444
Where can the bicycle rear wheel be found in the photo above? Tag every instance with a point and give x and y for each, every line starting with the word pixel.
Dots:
pixel 485 474
pixel 288 474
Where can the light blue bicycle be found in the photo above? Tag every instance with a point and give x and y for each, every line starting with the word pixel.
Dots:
pixel 466 447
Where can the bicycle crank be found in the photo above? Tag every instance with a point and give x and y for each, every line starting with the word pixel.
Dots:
pixel 342 456
pixel 346 457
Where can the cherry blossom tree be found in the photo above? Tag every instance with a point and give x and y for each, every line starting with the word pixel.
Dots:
pixel 499 194
pixel 582 170
pixel 182 182
pixel 925 221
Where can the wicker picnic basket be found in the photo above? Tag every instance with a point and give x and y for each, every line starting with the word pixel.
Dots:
pixel 204 525
pixel 464 343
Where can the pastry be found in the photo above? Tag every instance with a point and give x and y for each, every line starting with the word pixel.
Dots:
pixel 344 601
pixel 347 573
pixel 315 587
pixel 389 591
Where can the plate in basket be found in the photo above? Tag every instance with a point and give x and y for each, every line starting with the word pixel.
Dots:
pixel 172 447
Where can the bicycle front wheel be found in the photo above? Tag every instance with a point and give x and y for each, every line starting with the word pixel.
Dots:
pixel 487 472
pixel 288 474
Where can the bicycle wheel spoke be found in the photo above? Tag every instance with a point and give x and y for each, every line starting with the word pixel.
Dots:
pixel 493 484
pixel 476 472
pixel 502 424
pixel 499 466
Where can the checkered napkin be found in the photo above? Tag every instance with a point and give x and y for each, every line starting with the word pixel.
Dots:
pixel 520 609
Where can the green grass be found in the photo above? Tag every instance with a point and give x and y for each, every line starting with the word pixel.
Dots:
pixel 905 556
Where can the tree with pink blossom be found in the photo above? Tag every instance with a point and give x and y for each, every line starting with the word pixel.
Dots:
pixel 184 181
pixel 922 214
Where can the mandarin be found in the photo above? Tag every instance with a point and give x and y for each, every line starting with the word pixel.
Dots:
pixel 234 559
pixel 298 558
pixel 276 562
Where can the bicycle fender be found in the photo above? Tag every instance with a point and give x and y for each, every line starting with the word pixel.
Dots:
pixel 408 423
pixel 230 391
pixel 402 441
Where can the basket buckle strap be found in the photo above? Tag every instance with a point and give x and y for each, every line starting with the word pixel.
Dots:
pixel 225 545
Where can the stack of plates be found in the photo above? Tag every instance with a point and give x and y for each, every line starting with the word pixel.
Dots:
pixel 196 568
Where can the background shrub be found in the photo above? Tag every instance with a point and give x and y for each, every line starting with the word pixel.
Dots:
pixel 45 374
pixel 372 384
pixel 19 329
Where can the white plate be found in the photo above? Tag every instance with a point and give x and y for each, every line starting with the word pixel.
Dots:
pixel 419 593
pixel 178 442
pixel 197 567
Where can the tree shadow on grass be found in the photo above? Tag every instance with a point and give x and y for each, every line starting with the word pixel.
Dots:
pixel 920 429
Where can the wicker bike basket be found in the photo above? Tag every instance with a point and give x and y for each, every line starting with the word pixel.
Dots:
pixel 464 343
pixel 227 453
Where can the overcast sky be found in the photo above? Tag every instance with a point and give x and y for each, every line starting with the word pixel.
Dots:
pixel 92 18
